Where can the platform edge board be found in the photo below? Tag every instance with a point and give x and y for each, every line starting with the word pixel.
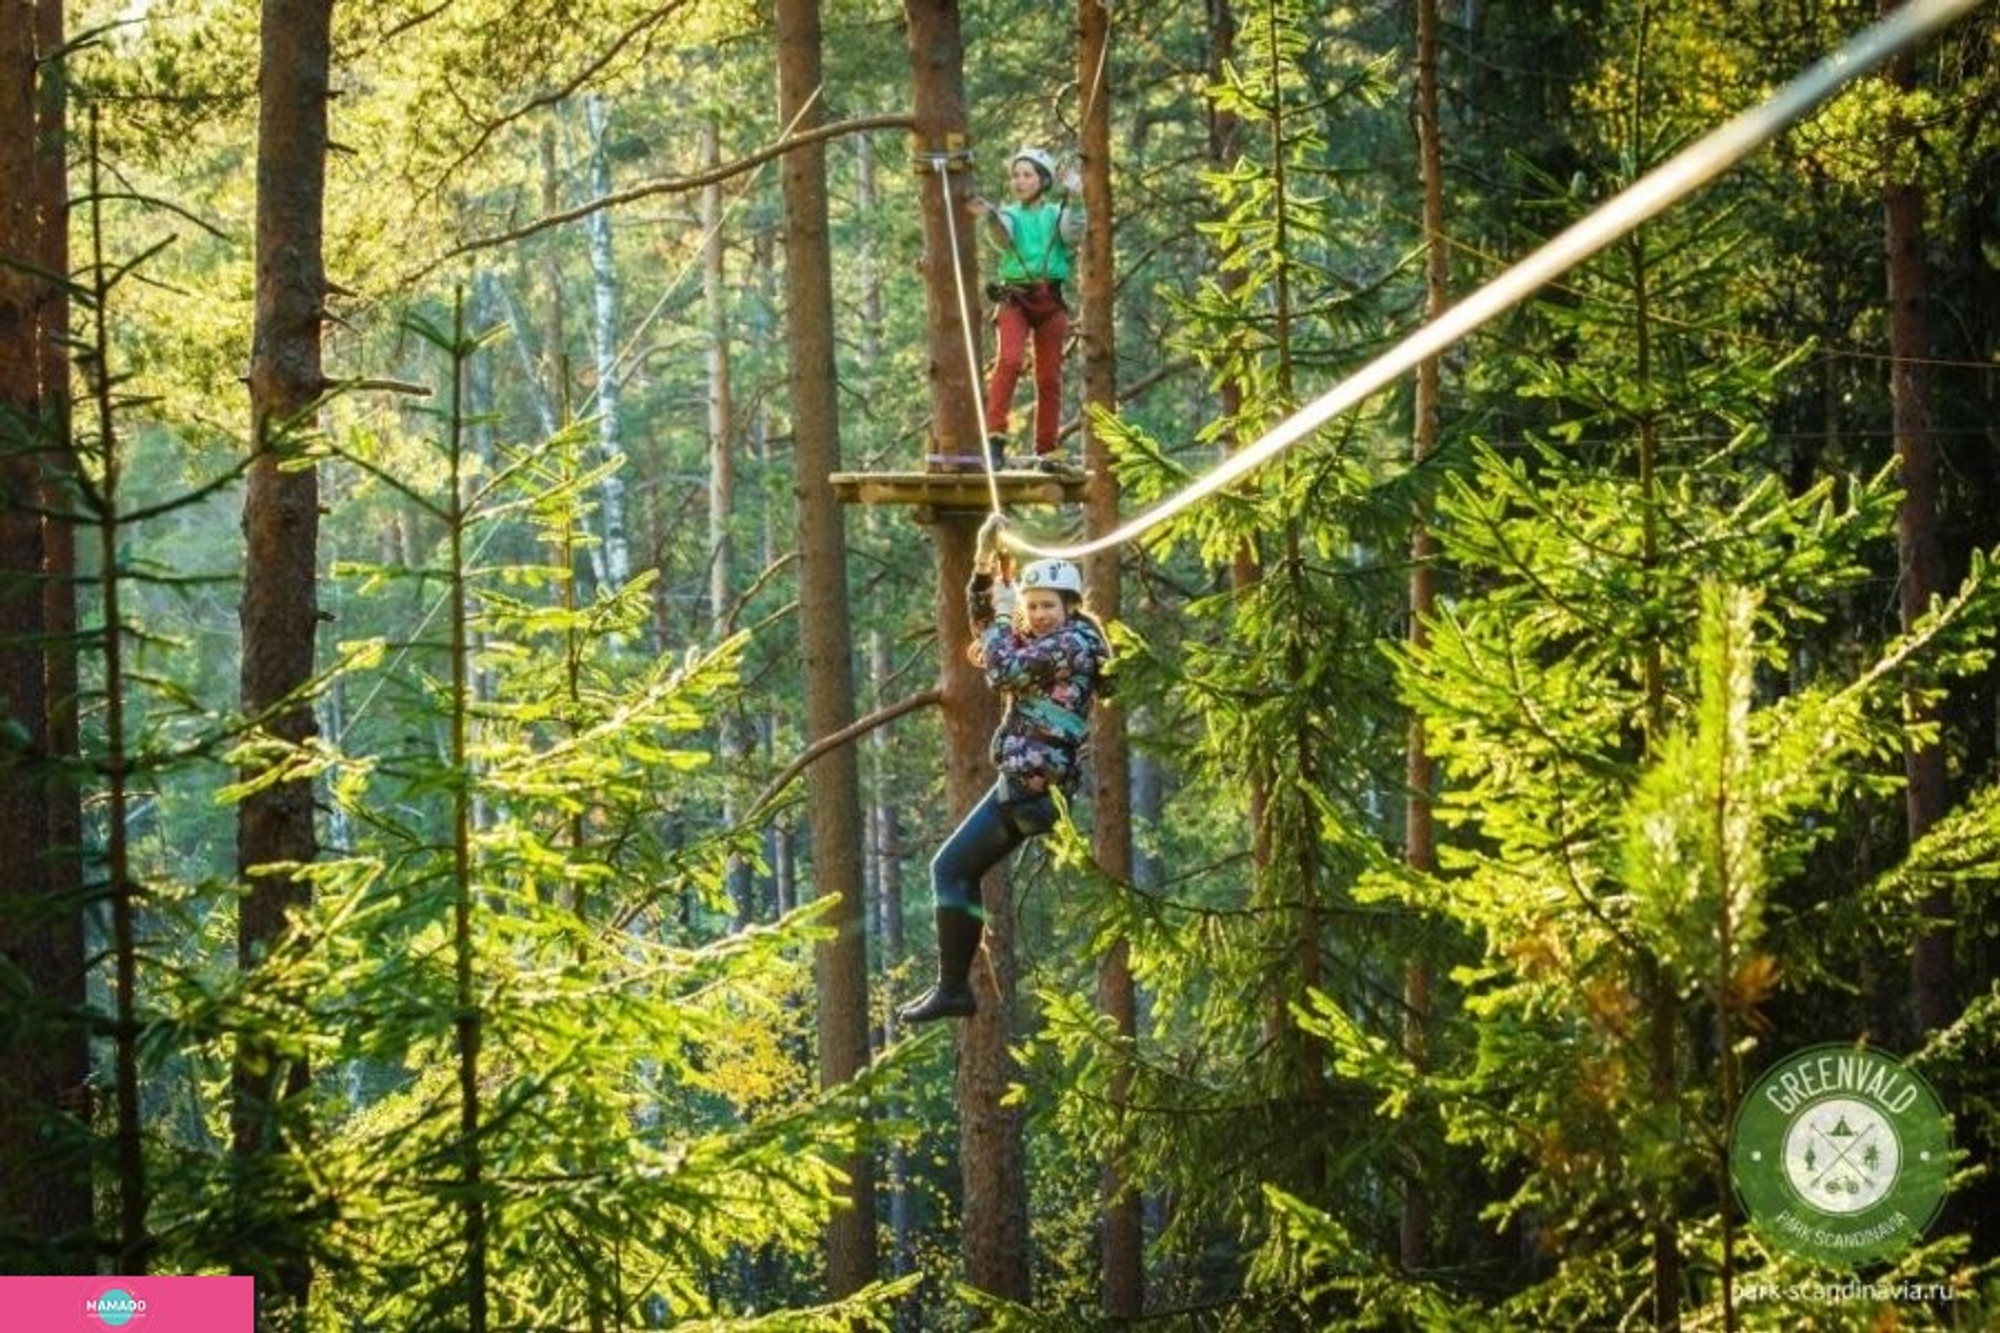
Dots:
pixel 958 490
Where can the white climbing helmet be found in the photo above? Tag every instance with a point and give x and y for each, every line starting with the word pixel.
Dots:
pixel 1057 575
pixel 1041 161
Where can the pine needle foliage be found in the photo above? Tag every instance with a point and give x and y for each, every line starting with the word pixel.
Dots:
pixel 1272 705
pixel 550 1092
pixel 1642 748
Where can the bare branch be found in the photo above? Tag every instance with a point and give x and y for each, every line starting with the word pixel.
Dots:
pixel 667 185
pixel 853 731
pixel 607 53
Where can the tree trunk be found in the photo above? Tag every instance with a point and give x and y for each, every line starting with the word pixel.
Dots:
pixel 280 611
pixel 1225 129
pixel 885 821
pixel 553 401
pixel 833 783
pixel 1918 557
pixel 69 1054
pixel 1122 1280
pixel 44 1067
pixel 1420 771
pixel 613 559
pixel 992 1158
pixel 937 66
pixel 730 744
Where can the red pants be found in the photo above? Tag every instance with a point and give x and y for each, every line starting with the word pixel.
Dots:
pixel 1048 322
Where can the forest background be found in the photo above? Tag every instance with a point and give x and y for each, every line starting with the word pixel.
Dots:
pixel 467 781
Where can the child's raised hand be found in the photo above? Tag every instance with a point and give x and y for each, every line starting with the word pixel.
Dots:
pixel 988 547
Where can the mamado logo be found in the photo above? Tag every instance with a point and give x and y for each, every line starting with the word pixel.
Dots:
pixel 1840 1154
pixel 115 1308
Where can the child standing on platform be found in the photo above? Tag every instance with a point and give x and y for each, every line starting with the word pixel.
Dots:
pixel 1039 236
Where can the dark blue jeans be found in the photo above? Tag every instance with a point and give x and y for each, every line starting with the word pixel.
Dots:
pixel 990 831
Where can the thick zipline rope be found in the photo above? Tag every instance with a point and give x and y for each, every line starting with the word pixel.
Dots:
pixel 1646 197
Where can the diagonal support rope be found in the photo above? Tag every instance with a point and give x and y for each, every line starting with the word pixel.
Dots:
pixel 1682 174
pixel 942 166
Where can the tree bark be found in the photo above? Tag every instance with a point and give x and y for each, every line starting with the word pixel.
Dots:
pixel 992 1157
pixel 885 811
pixel 730 727
pixel 43 1068
pixel 937 66
pixel 69 1052
pixel 1919 559
pixel 1122 1279
pixel 833 783
pixel 1420 770
pixel 1658 1201
pixel 280 610
pixel 614 558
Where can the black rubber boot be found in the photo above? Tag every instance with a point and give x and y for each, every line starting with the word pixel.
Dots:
pixel 958 940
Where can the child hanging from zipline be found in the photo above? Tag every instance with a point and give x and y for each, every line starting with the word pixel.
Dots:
pixel 1046 655
pixel 1038 237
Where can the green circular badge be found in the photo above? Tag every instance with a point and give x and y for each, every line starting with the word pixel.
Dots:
pixel 1840 1154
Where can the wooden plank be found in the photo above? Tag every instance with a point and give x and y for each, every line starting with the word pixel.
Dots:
pixel 956 490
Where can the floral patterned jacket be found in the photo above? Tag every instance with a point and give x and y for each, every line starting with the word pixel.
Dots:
pixel 1049 683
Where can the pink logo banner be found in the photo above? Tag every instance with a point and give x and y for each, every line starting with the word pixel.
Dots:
pixel 141 1304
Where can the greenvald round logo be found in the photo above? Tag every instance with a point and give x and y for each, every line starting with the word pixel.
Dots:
pixel 1840 1154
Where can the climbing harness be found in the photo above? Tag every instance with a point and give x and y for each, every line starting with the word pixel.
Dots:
pixel 1685 172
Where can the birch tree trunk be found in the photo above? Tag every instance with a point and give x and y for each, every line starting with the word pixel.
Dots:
pixel 613 562
pixel 833 783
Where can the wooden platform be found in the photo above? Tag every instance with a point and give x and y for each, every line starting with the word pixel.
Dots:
pixel 938 488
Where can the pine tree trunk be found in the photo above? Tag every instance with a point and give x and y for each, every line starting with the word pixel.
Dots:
pixel 43 1067
pixel 1651 979
pixel 730 744
pixel 1420 771
pixel 1919 559
pixel 885 825
pixel 69 1053
pixel 833 783
pixel 937 65
pixel 1225 128
pixel 1122 1279
pixel 280 610
pixel 992 1158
